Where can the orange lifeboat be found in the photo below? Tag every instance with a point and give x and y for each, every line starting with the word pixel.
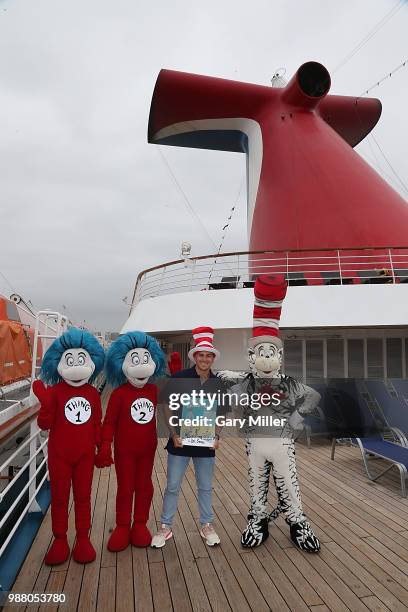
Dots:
pixel 16 342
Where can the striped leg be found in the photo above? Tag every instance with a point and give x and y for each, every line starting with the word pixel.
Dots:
pixel 289 502
pixel 256 531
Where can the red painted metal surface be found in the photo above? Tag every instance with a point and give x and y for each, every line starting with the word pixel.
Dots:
pixel 314 191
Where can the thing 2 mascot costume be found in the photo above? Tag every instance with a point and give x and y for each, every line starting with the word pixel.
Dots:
pixel 276 452
pixel 71 411
pixel 130 421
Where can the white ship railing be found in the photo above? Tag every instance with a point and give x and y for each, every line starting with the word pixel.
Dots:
pixel 45 333
pixel 16 407
pixel 48 325
pixel 237 270
pixel 31 470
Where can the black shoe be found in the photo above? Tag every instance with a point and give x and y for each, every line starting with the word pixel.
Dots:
pixel 303 537
pixel 255 533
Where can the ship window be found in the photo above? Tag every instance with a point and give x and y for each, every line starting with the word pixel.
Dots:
pixel 355 358
pixel 335 358
pixel 394 358
pixel 12 312
pixel 314 359
pixel 375 367
pixel 293 358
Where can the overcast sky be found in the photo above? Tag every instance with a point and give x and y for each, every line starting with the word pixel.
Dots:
pixel 86 203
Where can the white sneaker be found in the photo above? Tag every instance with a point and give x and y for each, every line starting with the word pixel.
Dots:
pixel 209 534
pixel 164 534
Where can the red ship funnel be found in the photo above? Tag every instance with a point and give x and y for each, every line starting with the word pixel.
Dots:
pixel 307 86
pixel 307 188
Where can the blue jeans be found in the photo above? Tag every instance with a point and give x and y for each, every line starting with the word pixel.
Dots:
pixel 176 468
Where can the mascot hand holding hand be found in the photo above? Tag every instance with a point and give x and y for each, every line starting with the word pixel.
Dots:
pixel 130 422
pixel 273 449
pixel 71 411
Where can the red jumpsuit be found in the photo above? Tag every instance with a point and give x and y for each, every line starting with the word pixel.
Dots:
pixel 130 421
pixel 73 416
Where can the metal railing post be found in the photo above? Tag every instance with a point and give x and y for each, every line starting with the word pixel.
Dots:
pixel 391 266
pixel 139 292
pixel 192 265
pixel 339 264
pixel 34 507
pixel 161 279
pixel 35 348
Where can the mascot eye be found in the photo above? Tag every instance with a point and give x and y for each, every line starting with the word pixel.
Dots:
pixel 145 358
pixel 81 360
pixel 261 353
pixel 70 360
pixel 135 359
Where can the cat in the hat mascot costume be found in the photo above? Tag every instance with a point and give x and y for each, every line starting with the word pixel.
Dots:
pixel 273 450
pixel 130 422
pixel 71 411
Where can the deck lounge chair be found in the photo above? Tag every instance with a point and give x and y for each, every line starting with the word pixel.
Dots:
pixel 375 435
pixel 379 448
pixel 391 396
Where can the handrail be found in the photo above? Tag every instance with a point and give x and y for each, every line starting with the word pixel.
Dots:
pixel 33 471
pixel 34 442
pixel 22 515
pixel 13 410
pixel 320 265
pixel 14 455
pixel 23 490
pixel 41 321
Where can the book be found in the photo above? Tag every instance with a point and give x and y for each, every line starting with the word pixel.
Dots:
pixel 198 424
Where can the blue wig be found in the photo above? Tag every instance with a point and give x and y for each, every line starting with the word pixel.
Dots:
pixel 74 338
pixel 120 348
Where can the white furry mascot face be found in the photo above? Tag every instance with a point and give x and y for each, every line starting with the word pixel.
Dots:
pixel 76 367
pixel 138 366
pixel 265 359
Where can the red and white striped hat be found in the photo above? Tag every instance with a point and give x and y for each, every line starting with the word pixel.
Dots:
pixel 270 291
pixel 203 341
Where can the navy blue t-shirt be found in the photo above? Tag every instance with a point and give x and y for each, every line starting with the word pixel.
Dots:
pixel 191 381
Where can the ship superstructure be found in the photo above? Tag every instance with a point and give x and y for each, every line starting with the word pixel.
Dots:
pixel 317 213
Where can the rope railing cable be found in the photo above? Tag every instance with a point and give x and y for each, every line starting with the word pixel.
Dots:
pixel 184 195
pixel 7 281
pixel 371 135
pixel 226 226
pixel 375 162
pixel 383 21
pixel 384 78
pixel 402 183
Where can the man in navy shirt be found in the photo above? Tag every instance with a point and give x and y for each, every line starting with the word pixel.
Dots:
pixel 198 378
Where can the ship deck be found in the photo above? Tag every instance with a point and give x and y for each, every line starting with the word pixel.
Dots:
pixel 363 564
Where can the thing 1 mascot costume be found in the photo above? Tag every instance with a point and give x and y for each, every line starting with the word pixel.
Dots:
pixel 71 411
pixel 275 452
pixel 130 422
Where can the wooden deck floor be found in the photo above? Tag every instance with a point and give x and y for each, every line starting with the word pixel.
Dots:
pixel 363 564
